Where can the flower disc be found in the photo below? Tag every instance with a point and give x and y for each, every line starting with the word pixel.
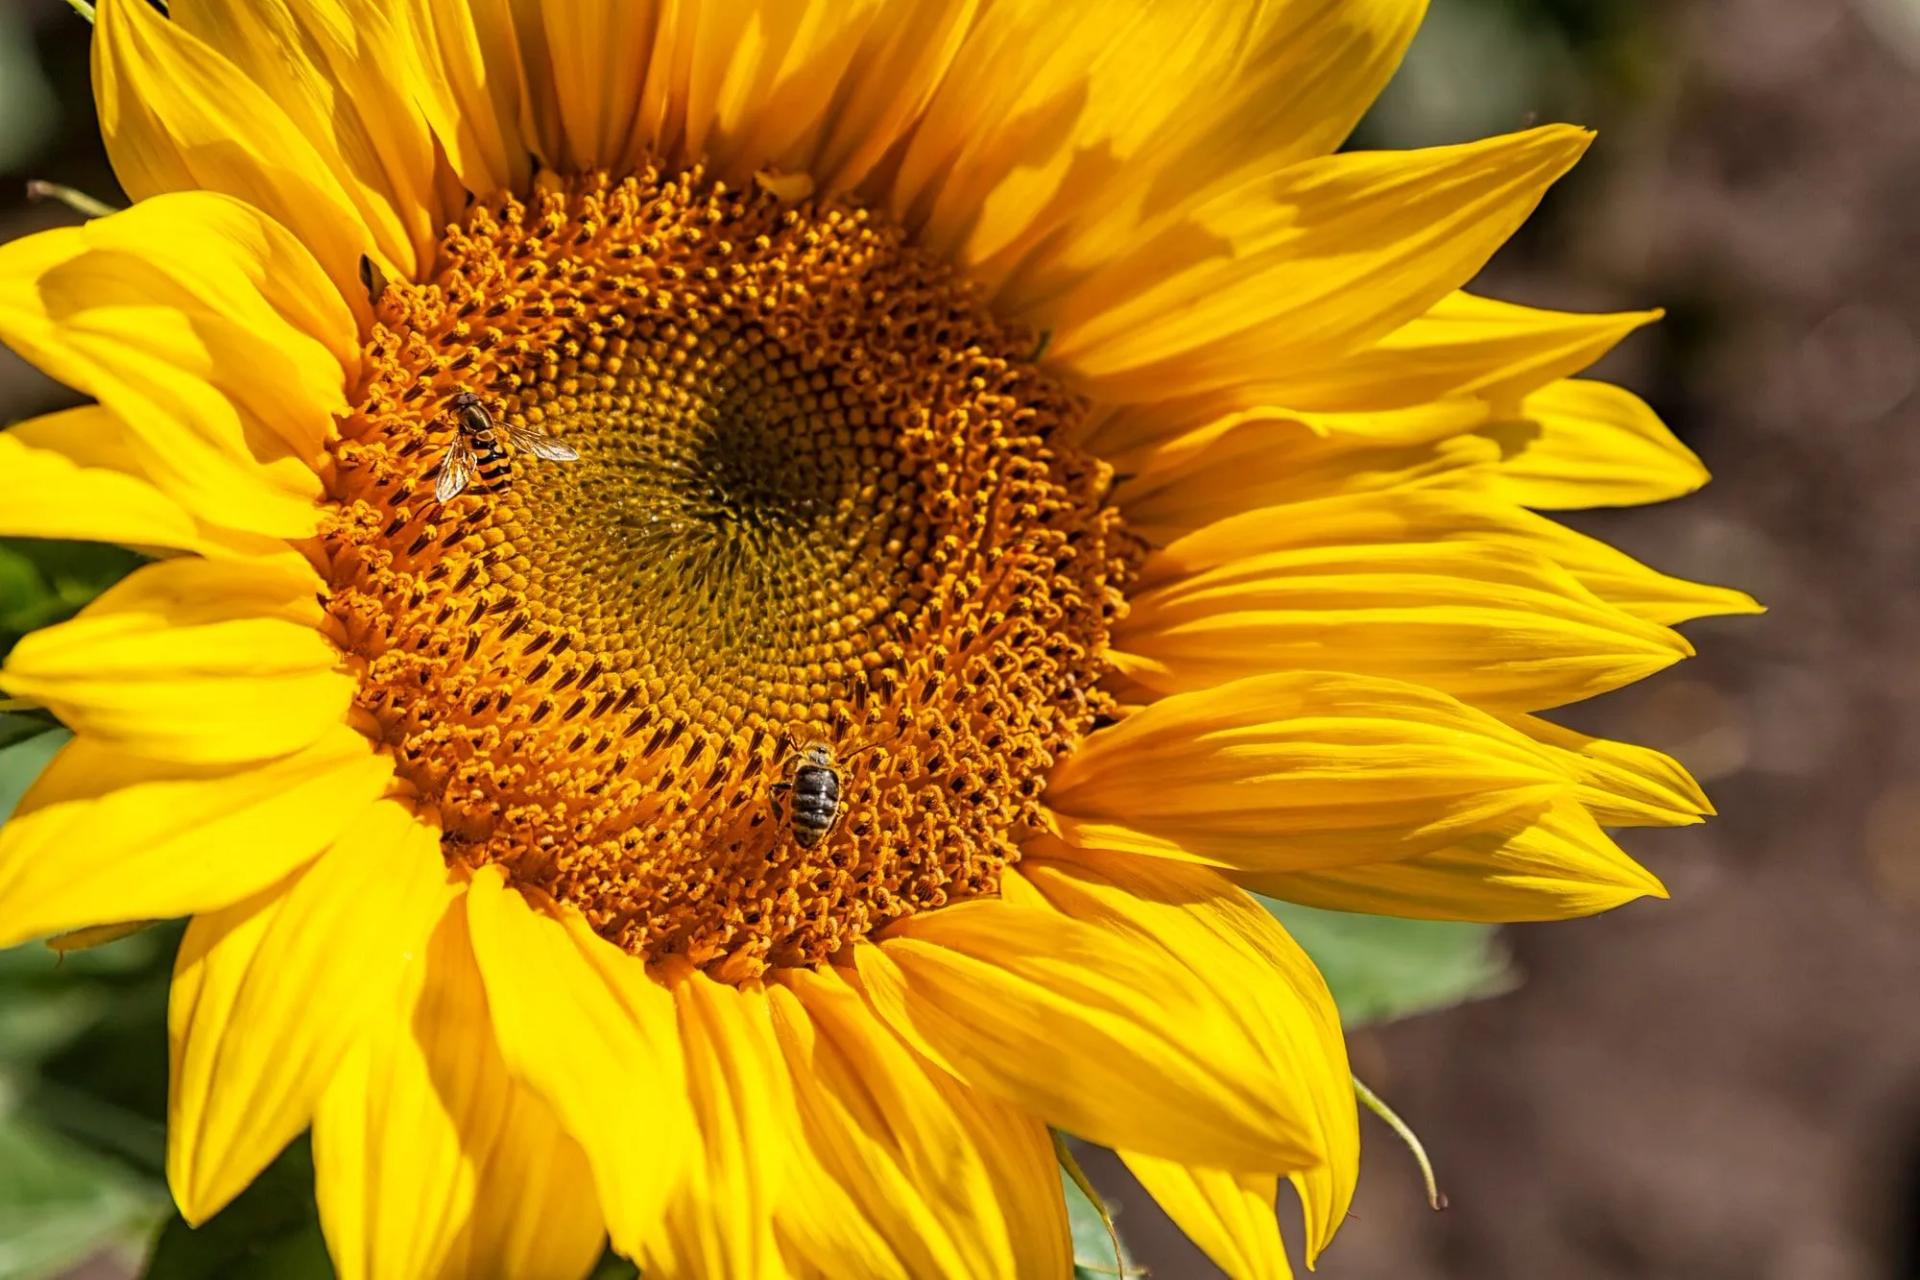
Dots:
pixel 820 495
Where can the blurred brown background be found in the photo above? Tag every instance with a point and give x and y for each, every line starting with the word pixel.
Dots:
pixel 1727 1084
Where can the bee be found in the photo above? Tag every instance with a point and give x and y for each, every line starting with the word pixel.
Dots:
pixel 476 450
pixel 815 781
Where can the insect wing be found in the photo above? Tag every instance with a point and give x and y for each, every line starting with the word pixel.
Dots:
pixel 456 472
pixel 541 445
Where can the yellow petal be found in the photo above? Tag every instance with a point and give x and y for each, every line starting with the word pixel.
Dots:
pixel 271 993
pixel 735 86
pixel 1621 580
pixel 935 1179
pixel 903 57
pixel 533 1218
pixel 1445 511
pixel 722 1222
pixel 1066 94
pixel 1396 516
pixel 1495 627
pixel 1089 1030
pixel 81 476
pixel 1303 769
pixel 245 268
pixel 253 291
pixel 836 1241
pixel 345 75
pixel 195 661
pixel 1293 269
pixel 1588 444
pixel 1161 439
pixel 470 88
pixel 587 67
pixel 1105 123
pixel 1298 81
pixel 1230 1216
pixel 1398 585
pixel 106 837
pixel 430 1159
pixel 798 85
pixel 1233 944
pixel 1260 463
pixel 177 115
pixel 592 1034
pixel 1560 866
pixel 392 1181
pixel 823 1233
pixel 51 496
pixel 203 327
pixel 1314 71
pixel 1463 346
pixel 1430 502
pixel 1623 785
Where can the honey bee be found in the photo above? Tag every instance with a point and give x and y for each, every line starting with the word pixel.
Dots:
pixel 476 450
pixel 815 781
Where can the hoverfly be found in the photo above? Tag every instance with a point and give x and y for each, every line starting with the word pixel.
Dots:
pixel 476 450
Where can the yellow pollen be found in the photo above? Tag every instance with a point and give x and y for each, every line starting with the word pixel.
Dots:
pixel 819 496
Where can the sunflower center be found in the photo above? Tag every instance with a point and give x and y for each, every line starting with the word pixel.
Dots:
pixel 771 594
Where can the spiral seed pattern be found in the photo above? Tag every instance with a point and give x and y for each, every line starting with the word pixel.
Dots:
pixel 820 494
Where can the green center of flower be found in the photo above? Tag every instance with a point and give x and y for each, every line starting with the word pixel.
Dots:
pixel 778 640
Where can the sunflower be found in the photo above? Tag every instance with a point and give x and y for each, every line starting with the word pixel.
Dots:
pixel 741 592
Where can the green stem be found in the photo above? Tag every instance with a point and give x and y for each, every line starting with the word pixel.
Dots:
pixel 78 201
pixel 82 7
pixel 1372 1102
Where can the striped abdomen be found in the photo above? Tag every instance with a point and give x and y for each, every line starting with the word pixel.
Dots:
pixel 815 803
pixel 490 463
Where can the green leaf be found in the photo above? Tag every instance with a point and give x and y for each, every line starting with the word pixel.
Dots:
pixel 1093 1257
pixel 17 726
pixel 22 762
pixel 613 1267
pixel 1382 968
pixel 270 1232
pixel 43 580
pixel 60 1204
pixel 83 1042
pixel 34 1023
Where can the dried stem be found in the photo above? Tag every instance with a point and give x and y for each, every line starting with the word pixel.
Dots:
pixel 1371 1100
